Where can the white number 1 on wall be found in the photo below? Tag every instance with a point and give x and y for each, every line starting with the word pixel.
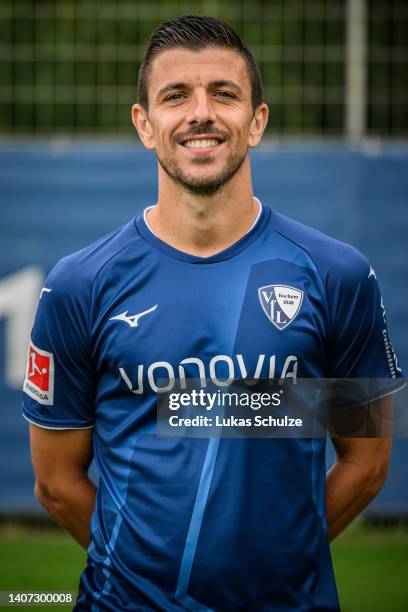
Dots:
pixel 19 293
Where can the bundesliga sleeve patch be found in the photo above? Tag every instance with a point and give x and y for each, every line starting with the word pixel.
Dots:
pixel 39 378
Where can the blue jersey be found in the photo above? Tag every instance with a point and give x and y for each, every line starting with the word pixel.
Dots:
pixel 202 524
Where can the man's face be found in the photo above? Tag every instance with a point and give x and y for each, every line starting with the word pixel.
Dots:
pixel 200 116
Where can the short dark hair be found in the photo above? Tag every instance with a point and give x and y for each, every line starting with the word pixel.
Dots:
pixel 195 32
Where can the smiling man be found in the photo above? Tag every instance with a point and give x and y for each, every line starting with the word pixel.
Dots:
pixel 209 284
pixel 200 110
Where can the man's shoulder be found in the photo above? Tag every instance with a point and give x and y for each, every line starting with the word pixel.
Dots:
pixel 330 256
pixel 78 271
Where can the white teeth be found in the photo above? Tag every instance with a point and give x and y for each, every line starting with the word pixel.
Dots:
pixel 201 144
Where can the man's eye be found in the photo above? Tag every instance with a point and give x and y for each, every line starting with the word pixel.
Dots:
pixel 175 96
pixel 224 94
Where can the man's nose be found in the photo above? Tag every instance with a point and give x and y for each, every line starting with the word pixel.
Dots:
pixel 201 108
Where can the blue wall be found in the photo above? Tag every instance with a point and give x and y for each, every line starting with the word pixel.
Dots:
pixel 56 199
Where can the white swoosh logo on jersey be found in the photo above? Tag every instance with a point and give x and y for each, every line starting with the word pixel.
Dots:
pixel 133 320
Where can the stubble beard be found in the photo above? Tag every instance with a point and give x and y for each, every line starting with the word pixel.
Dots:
pixel 205 186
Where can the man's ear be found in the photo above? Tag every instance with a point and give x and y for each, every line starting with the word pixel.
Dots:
pixel 258 124
pixel 143 126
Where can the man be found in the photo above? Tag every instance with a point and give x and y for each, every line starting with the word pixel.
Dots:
pixel 191 288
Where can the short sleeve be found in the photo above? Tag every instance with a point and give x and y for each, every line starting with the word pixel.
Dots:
pixel 359 345
pixel 59 384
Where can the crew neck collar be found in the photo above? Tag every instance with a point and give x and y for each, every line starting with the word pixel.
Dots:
pixel 147 233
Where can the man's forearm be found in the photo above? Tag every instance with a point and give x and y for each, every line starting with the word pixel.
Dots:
pixel 71 508
pixel 349 488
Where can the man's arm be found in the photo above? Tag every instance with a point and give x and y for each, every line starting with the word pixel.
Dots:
pixel 61 460
pixel 358 473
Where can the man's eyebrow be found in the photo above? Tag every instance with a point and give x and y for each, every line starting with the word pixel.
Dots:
pixel 170 86
pixel 225 83
pixel 211 85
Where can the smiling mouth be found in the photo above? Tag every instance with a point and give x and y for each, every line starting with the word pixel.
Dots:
pixel 202 143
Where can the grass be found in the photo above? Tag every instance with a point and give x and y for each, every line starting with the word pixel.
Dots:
pixel 39 560
pixel 371 566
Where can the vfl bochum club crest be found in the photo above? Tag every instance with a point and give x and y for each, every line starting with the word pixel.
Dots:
pixel 280 303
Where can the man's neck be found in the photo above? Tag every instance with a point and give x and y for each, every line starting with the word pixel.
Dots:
pixel 202 226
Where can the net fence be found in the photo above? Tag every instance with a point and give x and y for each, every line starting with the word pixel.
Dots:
pixel 71 67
